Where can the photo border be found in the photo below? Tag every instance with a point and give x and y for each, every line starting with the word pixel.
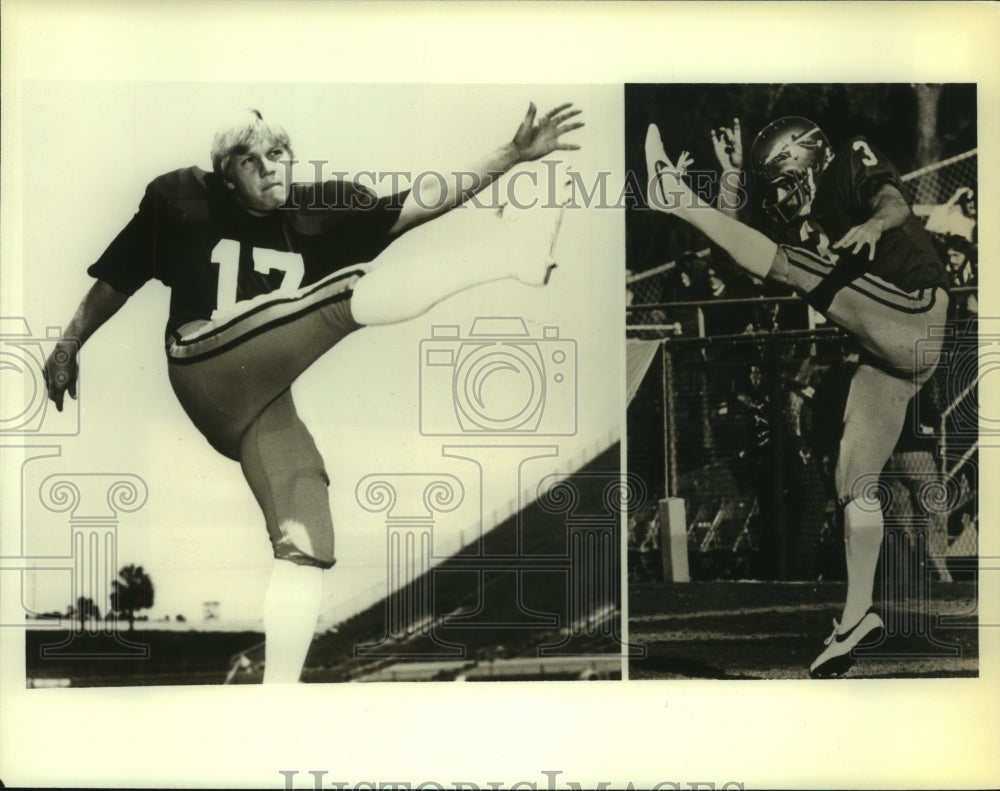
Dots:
pixel 901 733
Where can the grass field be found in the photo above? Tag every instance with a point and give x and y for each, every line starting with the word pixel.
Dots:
pixel 99 660
pixel 746 630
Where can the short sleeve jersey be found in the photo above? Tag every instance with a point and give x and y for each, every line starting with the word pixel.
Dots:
pixel 191 235
pixel 904 256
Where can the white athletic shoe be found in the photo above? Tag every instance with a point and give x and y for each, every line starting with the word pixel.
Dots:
pixel 836 659
pixel 666 191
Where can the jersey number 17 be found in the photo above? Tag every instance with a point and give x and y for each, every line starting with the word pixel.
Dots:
pixel 226 255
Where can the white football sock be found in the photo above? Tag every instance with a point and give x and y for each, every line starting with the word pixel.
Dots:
pixel 291 610
pixel 401 290
pixel 862 542
pixel 748 247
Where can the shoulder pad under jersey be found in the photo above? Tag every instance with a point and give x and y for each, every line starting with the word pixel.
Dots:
pixel 182 194
pixel 332 194
pixel 319 208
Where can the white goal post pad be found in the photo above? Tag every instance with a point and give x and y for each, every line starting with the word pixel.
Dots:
pixel 673 540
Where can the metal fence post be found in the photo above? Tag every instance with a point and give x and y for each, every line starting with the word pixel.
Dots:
pixel 669 422
pixel 778 543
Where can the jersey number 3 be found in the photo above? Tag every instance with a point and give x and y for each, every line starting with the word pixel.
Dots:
pixel 869 157
pixel 226 255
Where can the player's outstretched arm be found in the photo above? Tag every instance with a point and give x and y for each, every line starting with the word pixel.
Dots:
pixel 534 139
pixel 61 371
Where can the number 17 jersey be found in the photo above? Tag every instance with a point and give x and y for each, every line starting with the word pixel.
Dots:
pixel 190 234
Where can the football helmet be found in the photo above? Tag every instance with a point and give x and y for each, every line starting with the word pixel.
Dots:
pixel 788 155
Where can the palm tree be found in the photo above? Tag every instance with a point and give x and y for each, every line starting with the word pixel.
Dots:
pixel 85 608
pixel 132 591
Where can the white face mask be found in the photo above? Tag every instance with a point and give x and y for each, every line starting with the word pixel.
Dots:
pixel 811 193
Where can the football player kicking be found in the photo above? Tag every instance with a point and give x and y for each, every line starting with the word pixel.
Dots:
pixel 880 279
pixel 266 276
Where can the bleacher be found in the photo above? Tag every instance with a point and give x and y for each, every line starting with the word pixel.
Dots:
pixel 536 597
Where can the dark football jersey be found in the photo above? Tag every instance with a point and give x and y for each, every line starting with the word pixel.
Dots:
pixel 191 235
pixel 904 256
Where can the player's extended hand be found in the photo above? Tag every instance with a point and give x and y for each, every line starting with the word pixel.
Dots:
pixel 866 234
pixel 534 140
pixel 61 372
pixel 957 195
pixel 728 144
pixel 684 161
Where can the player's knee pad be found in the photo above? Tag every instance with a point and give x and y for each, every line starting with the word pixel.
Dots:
pixel 295 544
pixel 821 297
pixel 304 532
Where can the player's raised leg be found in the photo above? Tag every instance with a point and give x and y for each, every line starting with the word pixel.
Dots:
pixel 668 193
pixel 521 246
pixel 893 327
pixel 216 369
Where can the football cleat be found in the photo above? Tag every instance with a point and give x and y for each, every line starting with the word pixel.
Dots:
pixel 666 191
pixel 836 658
pixel 533 232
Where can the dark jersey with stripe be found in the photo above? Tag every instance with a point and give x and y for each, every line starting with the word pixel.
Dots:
pixel 904 256
pixel 190 234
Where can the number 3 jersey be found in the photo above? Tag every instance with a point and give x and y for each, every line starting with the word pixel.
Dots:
pixel 904 256
pixel 190 234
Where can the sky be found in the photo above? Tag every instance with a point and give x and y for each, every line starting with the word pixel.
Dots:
pixel 90 149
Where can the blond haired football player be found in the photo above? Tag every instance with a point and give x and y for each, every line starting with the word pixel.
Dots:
pixel 267 275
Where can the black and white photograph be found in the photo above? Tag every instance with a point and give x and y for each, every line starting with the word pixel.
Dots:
pixel 412 509
pixel 802 340
pixel 353 353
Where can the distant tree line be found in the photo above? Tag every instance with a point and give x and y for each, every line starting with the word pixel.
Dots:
pixel 131 592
